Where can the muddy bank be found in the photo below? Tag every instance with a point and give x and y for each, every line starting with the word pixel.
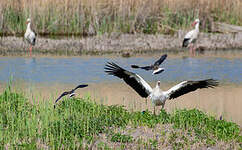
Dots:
pixel 118 43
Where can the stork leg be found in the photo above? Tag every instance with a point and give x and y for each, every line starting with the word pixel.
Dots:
pixel 190 49
pixel 194 50
pixel 154 110
pixel 30 50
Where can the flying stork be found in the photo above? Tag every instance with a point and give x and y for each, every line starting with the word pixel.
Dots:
pixel 156 95
pixel 154 67
pixel 71 93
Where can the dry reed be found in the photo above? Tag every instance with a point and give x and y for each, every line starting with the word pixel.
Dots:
pixel 87 17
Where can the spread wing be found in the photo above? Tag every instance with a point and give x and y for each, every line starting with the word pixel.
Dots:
pixel 80 86
pixel 145 67
pixel 162 58
pixel 132 79
pixel 63 94
pixel 189 86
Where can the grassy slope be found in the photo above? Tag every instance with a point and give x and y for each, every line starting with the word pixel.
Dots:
pixel 100 16
pixel 79 123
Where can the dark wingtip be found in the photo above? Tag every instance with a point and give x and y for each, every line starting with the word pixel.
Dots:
pixel 84 85
pixel 134 66
pixel 212 83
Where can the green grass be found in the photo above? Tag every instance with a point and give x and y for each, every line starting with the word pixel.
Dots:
pixel 76 123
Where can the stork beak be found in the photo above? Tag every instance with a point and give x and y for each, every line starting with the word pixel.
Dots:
pixel 26 22
pixel 158 83
pixel 194 23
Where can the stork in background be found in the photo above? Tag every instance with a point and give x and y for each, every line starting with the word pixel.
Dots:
pixel 30 35
pixel 191 37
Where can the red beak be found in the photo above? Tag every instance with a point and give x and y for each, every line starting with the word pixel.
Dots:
pixel 27 22
pixel 194 23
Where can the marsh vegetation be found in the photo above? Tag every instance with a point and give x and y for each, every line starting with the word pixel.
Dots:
pixel 88 17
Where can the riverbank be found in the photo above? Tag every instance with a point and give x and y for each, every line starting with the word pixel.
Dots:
pixel 117 43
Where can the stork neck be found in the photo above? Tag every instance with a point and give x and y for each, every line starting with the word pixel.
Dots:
pixel 28 26
pixel 197 26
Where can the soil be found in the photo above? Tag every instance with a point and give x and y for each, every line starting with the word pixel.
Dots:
pixel 117 43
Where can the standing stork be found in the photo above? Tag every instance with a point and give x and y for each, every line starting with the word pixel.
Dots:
pixel 191 37
pixel 157 96
pixel 30 35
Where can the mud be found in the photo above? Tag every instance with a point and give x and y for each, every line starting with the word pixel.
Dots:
pixel 126 44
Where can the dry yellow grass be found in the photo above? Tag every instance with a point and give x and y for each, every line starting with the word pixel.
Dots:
pixel 99 16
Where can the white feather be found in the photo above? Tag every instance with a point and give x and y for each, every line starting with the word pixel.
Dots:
pixel 144 84
pixel 174 88
pixel 29 34
pixel 158 70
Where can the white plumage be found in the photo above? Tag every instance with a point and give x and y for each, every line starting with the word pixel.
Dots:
pixel 157 96
pixel 30 35
pixel 191 37
pixel 154 67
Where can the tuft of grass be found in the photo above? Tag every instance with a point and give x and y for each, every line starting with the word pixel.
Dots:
pixel 118 137
pixel 204 125
pixel 77 122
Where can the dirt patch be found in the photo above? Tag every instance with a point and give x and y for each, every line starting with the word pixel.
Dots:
pixel 118 43
pixel 162 136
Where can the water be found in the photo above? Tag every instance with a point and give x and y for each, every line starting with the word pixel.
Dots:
pixel 91 70
pixel 66 72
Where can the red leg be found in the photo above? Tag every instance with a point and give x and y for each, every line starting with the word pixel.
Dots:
pixel 30 50
pixel 190 49
pixel 194 50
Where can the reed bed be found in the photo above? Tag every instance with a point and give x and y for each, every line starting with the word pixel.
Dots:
pixel 91 17
pixel 78 123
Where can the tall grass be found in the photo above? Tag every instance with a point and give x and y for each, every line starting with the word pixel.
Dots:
pixel 87 17
pixel 78 121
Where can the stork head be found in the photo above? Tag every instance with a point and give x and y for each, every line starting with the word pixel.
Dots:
pixel 28 21
pixel 158 84
pixel 195 22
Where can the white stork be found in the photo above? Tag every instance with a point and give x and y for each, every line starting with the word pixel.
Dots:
pixel 157 96
pixel 71 93
pixel 30 35
pixel 154 67
pixel 191 37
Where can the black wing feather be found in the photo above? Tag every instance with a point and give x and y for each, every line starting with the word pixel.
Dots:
pixel 162 58
pixel 185 42
pixel 134 66
pixel 80 86
pixel 145 67
pixel 63 94
pixel 192 86
pixel 130 78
